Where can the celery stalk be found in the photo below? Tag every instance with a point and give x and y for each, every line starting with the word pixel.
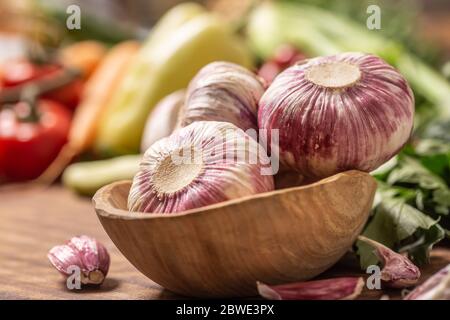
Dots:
pixel 319 32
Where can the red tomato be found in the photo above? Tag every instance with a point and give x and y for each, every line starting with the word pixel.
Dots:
pixel 285 56
pixel 68 95
pixel 27 147
pixel 17 72
pixel 20 72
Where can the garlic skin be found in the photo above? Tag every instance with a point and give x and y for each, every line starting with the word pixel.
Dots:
pixel 196 167
pixel 337 113
pixel 84 252
pixel 288 179
pixel 398 271
pixel 345 288
pixel 437 287
pixel 163 119
pixel 223 91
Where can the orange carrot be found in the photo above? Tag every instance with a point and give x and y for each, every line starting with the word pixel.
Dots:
pixel 97 93
pixel 85 56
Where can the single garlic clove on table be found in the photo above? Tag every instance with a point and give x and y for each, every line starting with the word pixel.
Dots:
pixel 398 271
pixel 344 288
pixel 204 163
pixel 85 253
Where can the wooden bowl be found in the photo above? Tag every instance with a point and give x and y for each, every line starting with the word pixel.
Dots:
pixel 222 250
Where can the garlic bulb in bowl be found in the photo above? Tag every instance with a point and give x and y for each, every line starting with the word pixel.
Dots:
pixel 336 113
pixel 223 91
pixel 163 119
pixel 204 163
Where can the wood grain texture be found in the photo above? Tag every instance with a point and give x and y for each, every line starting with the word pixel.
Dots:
pixel 32 221
pixel 222 250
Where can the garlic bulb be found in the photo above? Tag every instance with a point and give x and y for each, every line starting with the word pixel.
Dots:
pixel 163 119
pixel 84 253
pixel 336 113
pixel 204 163
pixel 223 91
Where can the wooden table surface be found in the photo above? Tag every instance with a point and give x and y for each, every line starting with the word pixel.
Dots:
pixel 34 220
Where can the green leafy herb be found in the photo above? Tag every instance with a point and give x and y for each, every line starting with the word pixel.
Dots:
pixel 410 171
pixel 419 250
pixel 394 221
pixel 413 202
pixel 438 129
pixel 411 211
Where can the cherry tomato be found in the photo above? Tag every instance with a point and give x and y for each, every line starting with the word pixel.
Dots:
pixel 31 138
pixel 285 56
pixel 21 72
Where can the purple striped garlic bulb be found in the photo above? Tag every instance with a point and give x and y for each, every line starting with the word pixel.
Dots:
pixel 204 163
pixel 336 113
pixel 223 91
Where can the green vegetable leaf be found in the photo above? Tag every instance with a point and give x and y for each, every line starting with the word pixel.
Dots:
pixel 442 198
pixel 413 172
pixel 419 250
pixel 420 198
pixel 434 155
pixel 392 222
pixel 438 129
pixel 437 163
pixel 411 194
pixel 382 172
pixel 431 147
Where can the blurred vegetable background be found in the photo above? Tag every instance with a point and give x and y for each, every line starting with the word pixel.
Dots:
pixel 108 85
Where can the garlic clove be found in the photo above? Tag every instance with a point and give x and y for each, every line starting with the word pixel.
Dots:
pixel 84 252
pixel 204 163
pixel 94 255
pixel 437 287
pixel 223 91
pixel 398 271
pixel 93 277
pixel 345 288
pixel 64 256
pixel 267 292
